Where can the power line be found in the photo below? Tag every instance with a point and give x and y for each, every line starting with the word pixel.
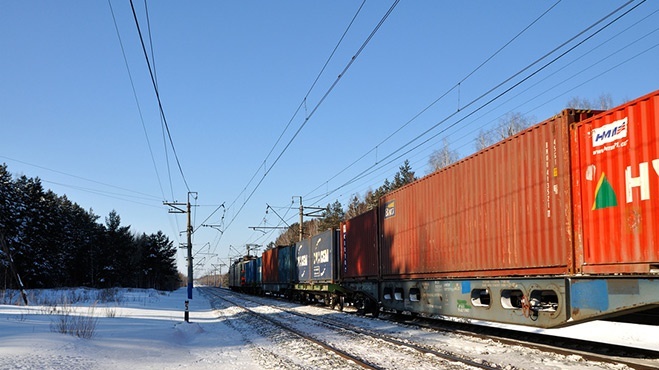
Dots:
pixel 302 103
pixel 450 116
pixel 101 193
pixel 137 102
pixel 175 225
pixel 155 88
pixel 162 124
pixel 374 149
pixel 146 196
pixel 320 102
pixel 570 78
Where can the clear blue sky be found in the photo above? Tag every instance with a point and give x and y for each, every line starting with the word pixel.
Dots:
pixel 231 75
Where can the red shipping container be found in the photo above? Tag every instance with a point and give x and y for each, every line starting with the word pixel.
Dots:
pixel 270 266
pixel 503 211
pixel 616 185
pixel 359 250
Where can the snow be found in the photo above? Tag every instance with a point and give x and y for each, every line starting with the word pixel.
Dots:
pixel 144 329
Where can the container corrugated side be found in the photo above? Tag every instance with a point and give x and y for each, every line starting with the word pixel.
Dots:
pixel 616 186
pixel 286 264
pixel 252 271
pixel 359 249
pixel 504 211
pixel 234 275
pixel 270 265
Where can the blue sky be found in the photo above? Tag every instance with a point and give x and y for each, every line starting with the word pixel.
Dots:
pixel 231 75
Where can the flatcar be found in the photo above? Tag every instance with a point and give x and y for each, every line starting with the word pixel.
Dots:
pixel 554 226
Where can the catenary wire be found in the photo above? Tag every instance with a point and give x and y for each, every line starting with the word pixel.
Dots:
pixel 329 90
pixel 570 78
pixel 155 87
pixel 162 123
pixel 441 97
pixel 137 102
pixel 145 195
pixel 302 103
pixel 175 226
pixel 375 166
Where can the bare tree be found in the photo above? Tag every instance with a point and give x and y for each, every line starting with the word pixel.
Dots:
pixel 602 102
pixel 511 124
pixel 577 102
pixel 484 139
pixel 442 157
pixel 508 125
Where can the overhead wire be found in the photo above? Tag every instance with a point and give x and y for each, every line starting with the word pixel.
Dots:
pixel 176 227
pixel 137 101
pixel 571 77
pixel 304 100
pixel 302 103
pixel 320 102
pixel 155 87
pixel 441 97
pixel 603 43
pixel 487 103
pixel 162 123
pixel 425 109
pixel 146 196
pixel 472 102
pixel 106 194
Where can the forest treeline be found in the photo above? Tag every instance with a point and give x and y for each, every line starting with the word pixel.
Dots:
pixel 49 241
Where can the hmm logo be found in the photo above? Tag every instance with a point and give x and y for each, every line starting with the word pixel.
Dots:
pixel 610 133
pixel 390 209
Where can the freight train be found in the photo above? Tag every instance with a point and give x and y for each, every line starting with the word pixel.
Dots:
pixel 554 226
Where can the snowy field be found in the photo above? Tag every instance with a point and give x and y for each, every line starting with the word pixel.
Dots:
pixel 144 329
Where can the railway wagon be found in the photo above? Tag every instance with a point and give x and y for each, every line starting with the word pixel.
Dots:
pixel 550 227
pixel 287 269
pixel 270 272
pixel 279 270
pixel 317 264
pixel 245 275
pixel 235 275
pixel 252 271
pixel 359 260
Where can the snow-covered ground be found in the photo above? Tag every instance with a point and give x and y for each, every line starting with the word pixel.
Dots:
pixel 144 329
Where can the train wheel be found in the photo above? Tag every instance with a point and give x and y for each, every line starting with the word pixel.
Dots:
pixel 334 301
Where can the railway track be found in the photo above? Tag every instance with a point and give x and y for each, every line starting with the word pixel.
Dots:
pixel 617 356
pixel 358 348
pixel 635 358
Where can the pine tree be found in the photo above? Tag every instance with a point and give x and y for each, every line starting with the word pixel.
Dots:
pixel 54 242
pixel 333 217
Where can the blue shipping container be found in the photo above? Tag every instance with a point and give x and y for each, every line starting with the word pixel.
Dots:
pixel 253 272
pixel 323 256
pixel 286 264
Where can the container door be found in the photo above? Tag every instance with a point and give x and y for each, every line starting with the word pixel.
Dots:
pixel 616 182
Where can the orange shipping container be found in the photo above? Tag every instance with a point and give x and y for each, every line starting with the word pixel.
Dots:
pixel 359 250
pixel 504 211
pixel 270 265
pixel 616 185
